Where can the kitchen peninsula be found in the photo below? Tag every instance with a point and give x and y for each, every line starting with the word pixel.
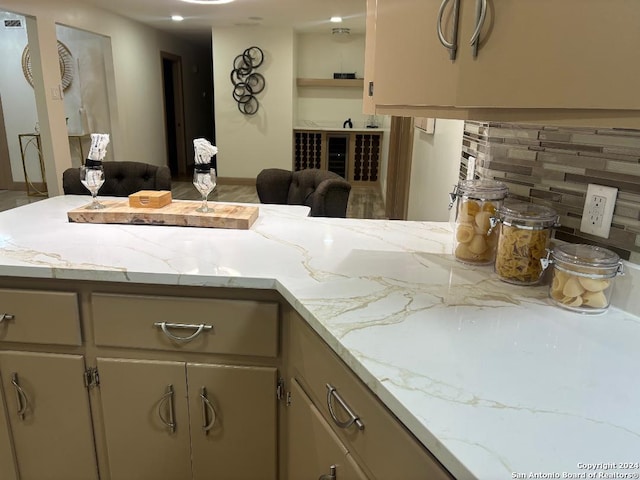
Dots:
pixel 489 377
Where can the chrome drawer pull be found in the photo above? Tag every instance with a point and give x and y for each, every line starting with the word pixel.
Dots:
pixel 332 392
pixel 207 406
pixel 331 475
pixel 6 316
pixel 21 397
pixel 198 330
pixel 167 398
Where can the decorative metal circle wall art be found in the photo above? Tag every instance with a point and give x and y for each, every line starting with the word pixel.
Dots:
pixel 247 83
pixel 65 59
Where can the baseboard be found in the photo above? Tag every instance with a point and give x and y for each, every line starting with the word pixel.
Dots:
pixel 22 186
pixel 236 181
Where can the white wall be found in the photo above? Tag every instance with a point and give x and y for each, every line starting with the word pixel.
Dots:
pixel 136 96
pixel 320 55
pixel 434 170
pixel 18 100
pixel 86 100
pixel 248 143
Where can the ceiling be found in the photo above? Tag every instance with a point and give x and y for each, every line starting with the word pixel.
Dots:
pixel 301 15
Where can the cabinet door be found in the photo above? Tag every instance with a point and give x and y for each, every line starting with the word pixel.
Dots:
pixel 411 67
pixel 312 446
pixel 49 415
pixel 137 408
pixel 7 460
pixel 550 54
pixel 234 427
pixel 368 103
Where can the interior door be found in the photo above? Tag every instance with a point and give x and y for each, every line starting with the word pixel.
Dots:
pixel 49 416
pixel 313 447
pixel 233 421
pixel 140 399
pixel 6 179
pixel 174 113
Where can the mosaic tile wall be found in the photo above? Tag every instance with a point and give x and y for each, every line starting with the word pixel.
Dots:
pixel 552 166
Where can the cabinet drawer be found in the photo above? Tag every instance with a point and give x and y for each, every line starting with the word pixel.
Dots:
pixel 384 445
pixel 239 327
pixel 34 316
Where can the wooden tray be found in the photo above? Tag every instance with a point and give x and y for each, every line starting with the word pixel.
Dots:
pixel 177 213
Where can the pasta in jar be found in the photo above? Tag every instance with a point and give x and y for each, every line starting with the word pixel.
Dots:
pixel 583 277
pixel 525 233
pixel 478 200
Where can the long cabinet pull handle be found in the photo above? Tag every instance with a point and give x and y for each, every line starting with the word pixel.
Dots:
pixel 331 475
pixel 167 397
pixel 207 407
pixel 6 316
pixel 333 393
pixel 166 326
pixel 21 397
pixel 453 45
pixel 481 14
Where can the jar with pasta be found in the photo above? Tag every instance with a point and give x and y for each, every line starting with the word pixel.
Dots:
pixel 525 230
pixel 583 277
pixel 476 203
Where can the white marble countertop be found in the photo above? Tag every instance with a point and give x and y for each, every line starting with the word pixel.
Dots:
pixel 494 380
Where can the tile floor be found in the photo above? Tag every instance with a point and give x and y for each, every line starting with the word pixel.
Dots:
pixel 364 202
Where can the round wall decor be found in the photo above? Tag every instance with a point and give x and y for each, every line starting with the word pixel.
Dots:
pixel 246 82
pixel 65 59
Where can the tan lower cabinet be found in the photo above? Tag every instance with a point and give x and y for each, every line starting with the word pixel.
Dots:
pixel 314 450
pixel 156 384
pixel 234 419
pixel 383 446
pixel 203 421
pixel 49 416
pixel 146 422
pixel 7 460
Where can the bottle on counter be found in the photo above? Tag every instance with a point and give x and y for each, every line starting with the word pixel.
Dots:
pixel 583 276
pixel 525 230
pixel 477 201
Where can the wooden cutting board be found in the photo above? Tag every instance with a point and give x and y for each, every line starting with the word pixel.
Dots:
pixel 181 214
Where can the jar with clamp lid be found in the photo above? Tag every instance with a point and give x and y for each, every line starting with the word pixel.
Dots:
pixel 476 202
pixel 525 230
pixel 583 277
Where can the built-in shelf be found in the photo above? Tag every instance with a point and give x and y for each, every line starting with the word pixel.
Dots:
pixel 330 82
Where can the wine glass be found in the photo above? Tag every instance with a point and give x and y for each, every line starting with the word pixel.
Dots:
pixel 92 177
pixel 205 181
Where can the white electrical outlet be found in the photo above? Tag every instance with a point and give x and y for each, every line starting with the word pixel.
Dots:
pixel 598 210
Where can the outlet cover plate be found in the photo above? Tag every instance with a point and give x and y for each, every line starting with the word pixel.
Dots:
pixel 597 215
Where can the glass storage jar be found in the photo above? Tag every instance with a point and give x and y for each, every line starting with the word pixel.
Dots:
pixel 524 233
pixel 476 201
pixel 583 277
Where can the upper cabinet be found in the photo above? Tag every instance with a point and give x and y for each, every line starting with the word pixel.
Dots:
pixel 532 60
pixel 410 65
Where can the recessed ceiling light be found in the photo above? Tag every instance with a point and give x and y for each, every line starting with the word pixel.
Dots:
pixel 177 18
pixel 208 2
pixel 336 19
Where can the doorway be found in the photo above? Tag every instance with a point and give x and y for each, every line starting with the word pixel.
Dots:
pixel 174 114
pixel 6 179
pixel 399 168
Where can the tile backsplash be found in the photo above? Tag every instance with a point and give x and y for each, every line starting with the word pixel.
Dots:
pixel 552 166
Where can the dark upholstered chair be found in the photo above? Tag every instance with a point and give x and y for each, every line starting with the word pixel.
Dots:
pixel 326 193
pixel 121 179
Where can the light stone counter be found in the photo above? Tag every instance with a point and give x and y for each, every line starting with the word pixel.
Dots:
pixel 494 380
